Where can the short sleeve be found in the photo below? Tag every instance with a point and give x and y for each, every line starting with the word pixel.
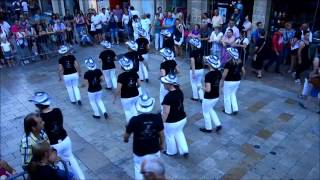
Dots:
pixel 227 65
pixel 99 72
pixel 113 54
pixel 162 66
pixel 174 64
pixel 160 126
pixel 192 54
pixel 60 60
pixel 130 126
pixel 120 79
pixel 136 75
pixel 246 41
pixel 100 56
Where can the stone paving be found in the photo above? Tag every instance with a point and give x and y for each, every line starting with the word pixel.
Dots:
pixel 272 137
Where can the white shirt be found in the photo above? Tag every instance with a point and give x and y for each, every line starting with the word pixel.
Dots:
pixel 96 20
pixel 135 12
pixel 145 23
pixel 6 46
pixel 105 17
pixel 5 26
pixel 245 41
pixel 3 35
pixel 215 37
pixel 135 26
pixel 216 21
pixel 125 19
pixel 24 5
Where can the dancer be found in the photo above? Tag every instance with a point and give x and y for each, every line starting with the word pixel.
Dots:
pixel 174 118
pixel 93 78
pixel 143 49
pixel 128 84
pixel 211 95
pixel 230 81
pixel 107 57
pixel 53 126
pixel 70 70
pixel 196 70
pixel 147 129
pixel 168 41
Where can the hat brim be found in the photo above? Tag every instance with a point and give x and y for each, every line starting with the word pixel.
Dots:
pixel 164 81
pixel 47 102
pixel 62 51
pixel 145 109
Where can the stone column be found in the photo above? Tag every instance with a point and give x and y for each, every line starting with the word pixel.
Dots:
pixel 261 12
pixel 62 9
pixel 196 8
pixel 55 6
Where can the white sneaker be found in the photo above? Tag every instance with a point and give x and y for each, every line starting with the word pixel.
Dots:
pixel 297 81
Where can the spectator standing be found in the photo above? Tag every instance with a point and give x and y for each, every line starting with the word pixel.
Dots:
pixel 59 29
pixel 231 25
pixel 107 57
pixel 5 26
pixel 288 35
pixel 157 32
pixel 205 20
pixel 215 39
pixel 143 49
pixel 247 26
pixel 25 7
pixel 168 22
pixel 168 41
pixel 53 126
pixel 205 32
pixel 174 118
pixel 217 20
pixel 105 17
pixel 294 46
pixel 17 8
pixel 178 37
pixel 147 129
pixel 80 22
pixel 226 41
pixel 42 41
pixel 125 23
pixel 133 12
pixel 195 33
pixel 118 12
pixel 136 25
pixel 159 11
pixel 241 44
pixel 113 26
pixel 6 48
pixel 304 61
pixel 259 54
pixel 146 25
pixel 96 26
pixel 236 17
pixel 277 47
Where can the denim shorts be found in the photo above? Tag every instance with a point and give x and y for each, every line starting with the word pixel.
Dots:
pixel 7 55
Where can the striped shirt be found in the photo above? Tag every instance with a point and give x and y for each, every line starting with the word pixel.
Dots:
pixel 26 146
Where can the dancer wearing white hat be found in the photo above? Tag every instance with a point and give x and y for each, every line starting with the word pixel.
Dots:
pixel 168 66
pixel 107 58
pixel 70 70
pixel 143 49
pixel 174 118
pixel 128 84
pixel 147 129
pixel 211 95
pixel 57 135
pixel 168 41
pixel 93 78
pixel 196 70
pixel 231 77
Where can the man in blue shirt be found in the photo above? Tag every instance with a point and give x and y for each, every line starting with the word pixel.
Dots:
pixel 169 22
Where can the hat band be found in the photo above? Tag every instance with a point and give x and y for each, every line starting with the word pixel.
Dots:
pixel 146 106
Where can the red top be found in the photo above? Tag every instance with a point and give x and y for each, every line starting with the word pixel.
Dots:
pixel 277 42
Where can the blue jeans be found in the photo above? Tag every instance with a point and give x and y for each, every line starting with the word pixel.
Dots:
pixel 275 59
pixel 114 34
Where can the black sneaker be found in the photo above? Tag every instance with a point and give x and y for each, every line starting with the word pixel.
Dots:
pixel 147 80
pixel 79 103
pixel 205 130
pixel 185 155
pixel 96 117
pixel 194 99
pixel 235 113
pixel 106 116
pixel 218 129
pixel 165 153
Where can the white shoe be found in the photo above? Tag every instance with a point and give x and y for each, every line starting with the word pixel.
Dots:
pixel 297 81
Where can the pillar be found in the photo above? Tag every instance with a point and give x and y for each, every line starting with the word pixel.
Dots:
pixel 195 9
pixel 55 6
pixel 261 12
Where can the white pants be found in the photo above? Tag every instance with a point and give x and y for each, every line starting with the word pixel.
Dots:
pixel 129 107
pixel 143 72
pixel 138 161
pixel 72 82
pixel 229 93
pixel 64 150
pixel 209 114
pixel 197 92
pixel 95 101
pixel 158 40
pixel 110 78
pixel 175 137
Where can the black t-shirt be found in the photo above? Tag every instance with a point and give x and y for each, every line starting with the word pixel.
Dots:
pixel 53 125
pixel 94 80
pixel 135 57
pixel 129 84
pixel 234 73
pixel 174 99
pixel 145 129
pixel 45 172
pixel 213 77
pixel 169 66
pixel 198 58
pixel 142 45
pixel 107 58
pixel 68 64
pixel 168 43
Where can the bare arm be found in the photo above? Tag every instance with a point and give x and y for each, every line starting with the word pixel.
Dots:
pixel 162 72
pixel 207 87
pixel 77 66
pixel 299 52
pixel 166 110
pixel 177 70
pixel 60 71
pixel 126 137
pixel 117 93
pixel 161 139
pixel 193 66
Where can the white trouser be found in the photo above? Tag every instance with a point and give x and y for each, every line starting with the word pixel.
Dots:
pixel 138 161
pixel 209 114
pixel 110 78
pixel 158 40
pixel 64 151
pixel 196 85
pixel 95 101
pixel 129 107
pixel 175 137
pixel 72 82
pixel 307 87
pixel 229 93
pixel 143 72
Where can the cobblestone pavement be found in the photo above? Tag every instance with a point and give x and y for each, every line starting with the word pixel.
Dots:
pixel 271 138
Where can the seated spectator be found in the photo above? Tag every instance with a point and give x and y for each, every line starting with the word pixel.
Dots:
pixel 195 33
pixel 6 170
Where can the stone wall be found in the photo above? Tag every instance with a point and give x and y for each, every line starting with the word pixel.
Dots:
pixel 261 12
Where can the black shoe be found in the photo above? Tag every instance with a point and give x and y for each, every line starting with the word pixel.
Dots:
pixel 79 103
pixel 186 155
pixel 165 153
pixel 235 113
pixel 106 116
pixel 96 117
pixel 194 99
pixel 73 102
pixel 107 88
pixel 218 129
pixel 147 80
pixel 205 130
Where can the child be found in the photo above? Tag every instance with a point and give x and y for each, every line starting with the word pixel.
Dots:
pixel 7 49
